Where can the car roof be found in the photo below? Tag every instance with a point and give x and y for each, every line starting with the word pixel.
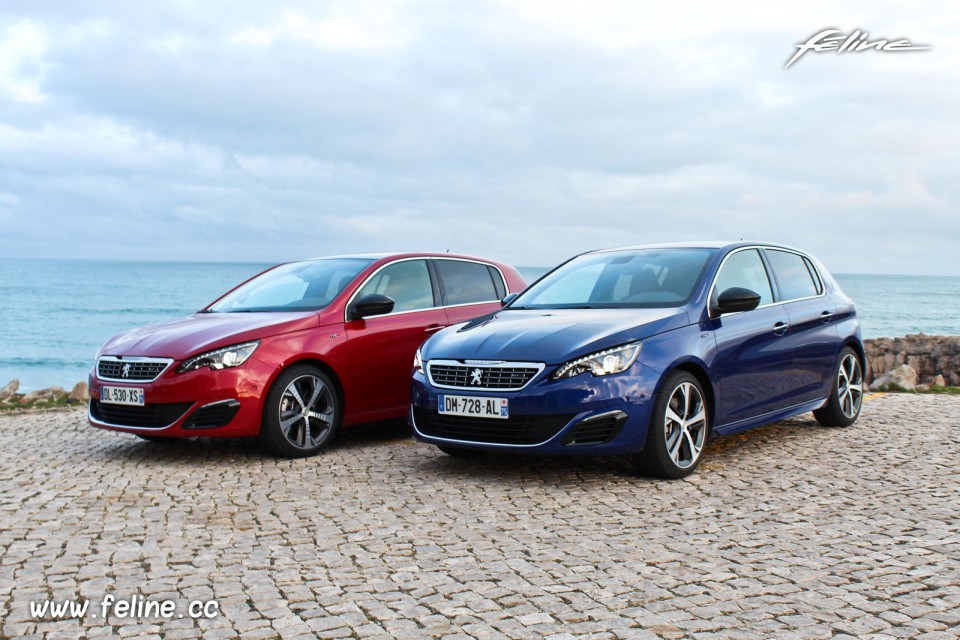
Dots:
pixel 393 256
pixel 710 244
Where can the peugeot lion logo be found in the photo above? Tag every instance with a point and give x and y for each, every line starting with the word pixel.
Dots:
pixel 475 376
pixel 125 372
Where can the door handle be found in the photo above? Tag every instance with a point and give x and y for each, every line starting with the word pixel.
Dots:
pixel 780 328
pixel 434 327
pixel 826 316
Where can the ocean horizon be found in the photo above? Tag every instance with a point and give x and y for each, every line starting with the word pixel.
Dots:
pixel 57 313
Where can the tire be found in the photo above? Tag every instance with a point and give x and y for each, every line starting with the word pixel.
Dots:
pixel 679 426
pixel 302 413
pixel 846 397
pixel 459 452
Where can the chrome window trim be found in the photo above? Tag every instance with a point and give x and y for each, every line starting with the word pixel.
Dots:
pixel 539 366
pixel 125 359
pixel 353 297
pixel 759 247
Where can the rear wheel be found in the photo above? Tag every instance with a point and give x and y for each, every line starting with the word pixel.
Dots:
pixel 678 429
pixel 846 397
pixel 302 413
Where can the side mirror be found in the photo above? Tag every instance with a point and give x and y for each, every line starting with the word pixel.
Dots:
pixel 373 304
pixel 737 299
pixel 507 299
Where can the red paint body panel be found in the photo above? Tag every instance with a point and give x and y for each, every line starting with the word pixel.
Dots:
pixel 370 359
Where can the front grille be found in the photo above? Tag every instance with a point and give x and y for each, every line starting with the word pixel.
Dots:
pixel 213 415
pixel 595 431
pixel 462 376
pixel 151 416
pixel 514 430
pixel 138 369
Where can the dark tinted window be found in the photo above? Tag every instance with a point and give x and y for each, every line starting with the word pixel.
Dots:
pixel 467 282
pixel 744 269
pixel 406 282
pixel 792 275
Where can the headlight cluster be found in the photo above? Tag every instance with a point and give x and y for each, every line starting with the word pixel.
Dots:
pixel 418 362
pixel 224 358
pixel 601 363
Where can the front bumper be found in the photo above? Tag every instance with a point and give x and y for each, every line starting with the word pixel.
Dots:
pixel 224 403
pixel 584 415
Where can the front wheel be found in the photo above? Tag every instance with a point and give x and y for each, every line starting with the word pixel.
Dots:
pixel 678 429
pixel 302 413
pixel 846 396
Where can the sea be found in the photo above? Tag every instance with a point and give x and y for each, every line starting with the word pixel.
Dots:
pixel 55 314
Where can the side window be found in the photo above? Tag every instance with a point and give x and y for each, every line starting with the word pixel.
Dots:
pixel 744 269
pixel 467 282
pixel 792 275
pixel 407 283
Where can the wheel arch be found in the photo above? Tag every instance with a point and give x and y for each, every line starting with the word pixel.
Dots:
pixel 857 346
pixel 312 361
pixel 698 371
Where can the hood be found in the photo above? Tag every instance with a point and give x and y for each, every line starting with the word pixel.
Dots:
pixel 552 336
pixel 185 337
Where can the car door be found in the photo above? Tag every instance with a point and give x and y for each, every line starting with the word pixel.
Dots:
pixel 470 289
pixel 753 352
pixel 382 347
pixel 813 336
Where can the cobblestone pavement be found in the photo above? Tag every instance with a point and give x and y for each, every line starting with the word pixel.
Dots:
pixel 791 530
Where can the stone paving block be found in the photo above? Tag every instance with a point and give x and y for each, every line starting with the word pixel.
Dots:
pixel 788 531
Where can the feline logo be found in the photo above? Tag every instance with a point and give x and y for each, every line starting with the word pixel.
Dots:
pixel 857 41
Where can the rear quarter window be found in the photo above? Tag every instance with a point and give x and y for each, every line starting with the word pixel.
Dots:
pixel 469 282
pixel 793 275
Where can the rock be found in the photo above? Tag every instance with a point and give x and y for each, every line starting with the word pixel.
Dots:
pixel 938 381
pixel 44 395
pixel 80 393
pixel 904 377
pixel 10 389
pixel 922 388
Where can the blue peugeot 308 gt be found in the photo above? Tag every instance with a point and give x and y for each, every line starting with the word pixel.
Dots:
pixel 645 351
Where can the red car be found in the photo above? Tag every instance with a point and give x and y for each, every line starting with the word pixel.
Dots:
pixel 293 353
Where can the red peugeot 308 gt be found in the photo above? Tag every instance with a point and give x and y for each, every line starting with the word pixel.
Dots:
pixel 293 353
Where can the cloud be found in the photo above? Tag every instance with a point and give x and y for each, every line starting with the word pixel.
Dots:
pixel 526 131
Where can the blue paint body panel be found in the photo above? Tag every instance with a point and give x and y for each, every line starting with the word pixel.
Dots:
pixel 754 370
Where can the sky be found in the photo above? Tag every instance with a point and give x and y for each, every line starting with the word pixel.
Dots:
pixel 521 130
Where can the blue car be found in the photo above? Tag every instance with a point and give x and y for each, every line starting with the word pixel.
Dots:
pixel 645 351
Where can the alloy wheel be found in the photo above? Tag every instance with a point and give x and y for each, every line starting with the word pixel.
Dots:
pixel 306 411
pixel 685 425
pixel 850 386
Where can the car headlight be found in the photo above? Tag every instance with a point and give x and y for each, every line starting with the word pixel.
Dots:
pixel 601 363
pixel 418 362
pixel 224 358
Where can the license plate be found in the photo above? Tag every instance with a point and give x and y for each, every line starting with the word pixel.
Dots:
pixel 122 395
pixel 474 407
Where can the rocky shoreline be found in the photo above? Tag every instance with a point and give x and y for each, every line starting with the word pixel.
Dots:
pixel 915 362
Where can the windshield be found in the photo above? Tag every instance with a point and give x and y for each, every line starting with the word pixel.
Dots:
pixel 630 278
pixel 298 286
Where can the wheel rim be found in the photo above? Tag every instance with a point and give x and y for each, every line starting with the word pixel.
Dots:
pixel 306 411
pixel 685 425
pixel 850 386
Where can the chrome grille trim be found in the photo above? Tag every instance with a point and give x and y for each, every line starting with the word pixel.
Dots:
pixel 495 376
pixel 142 369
